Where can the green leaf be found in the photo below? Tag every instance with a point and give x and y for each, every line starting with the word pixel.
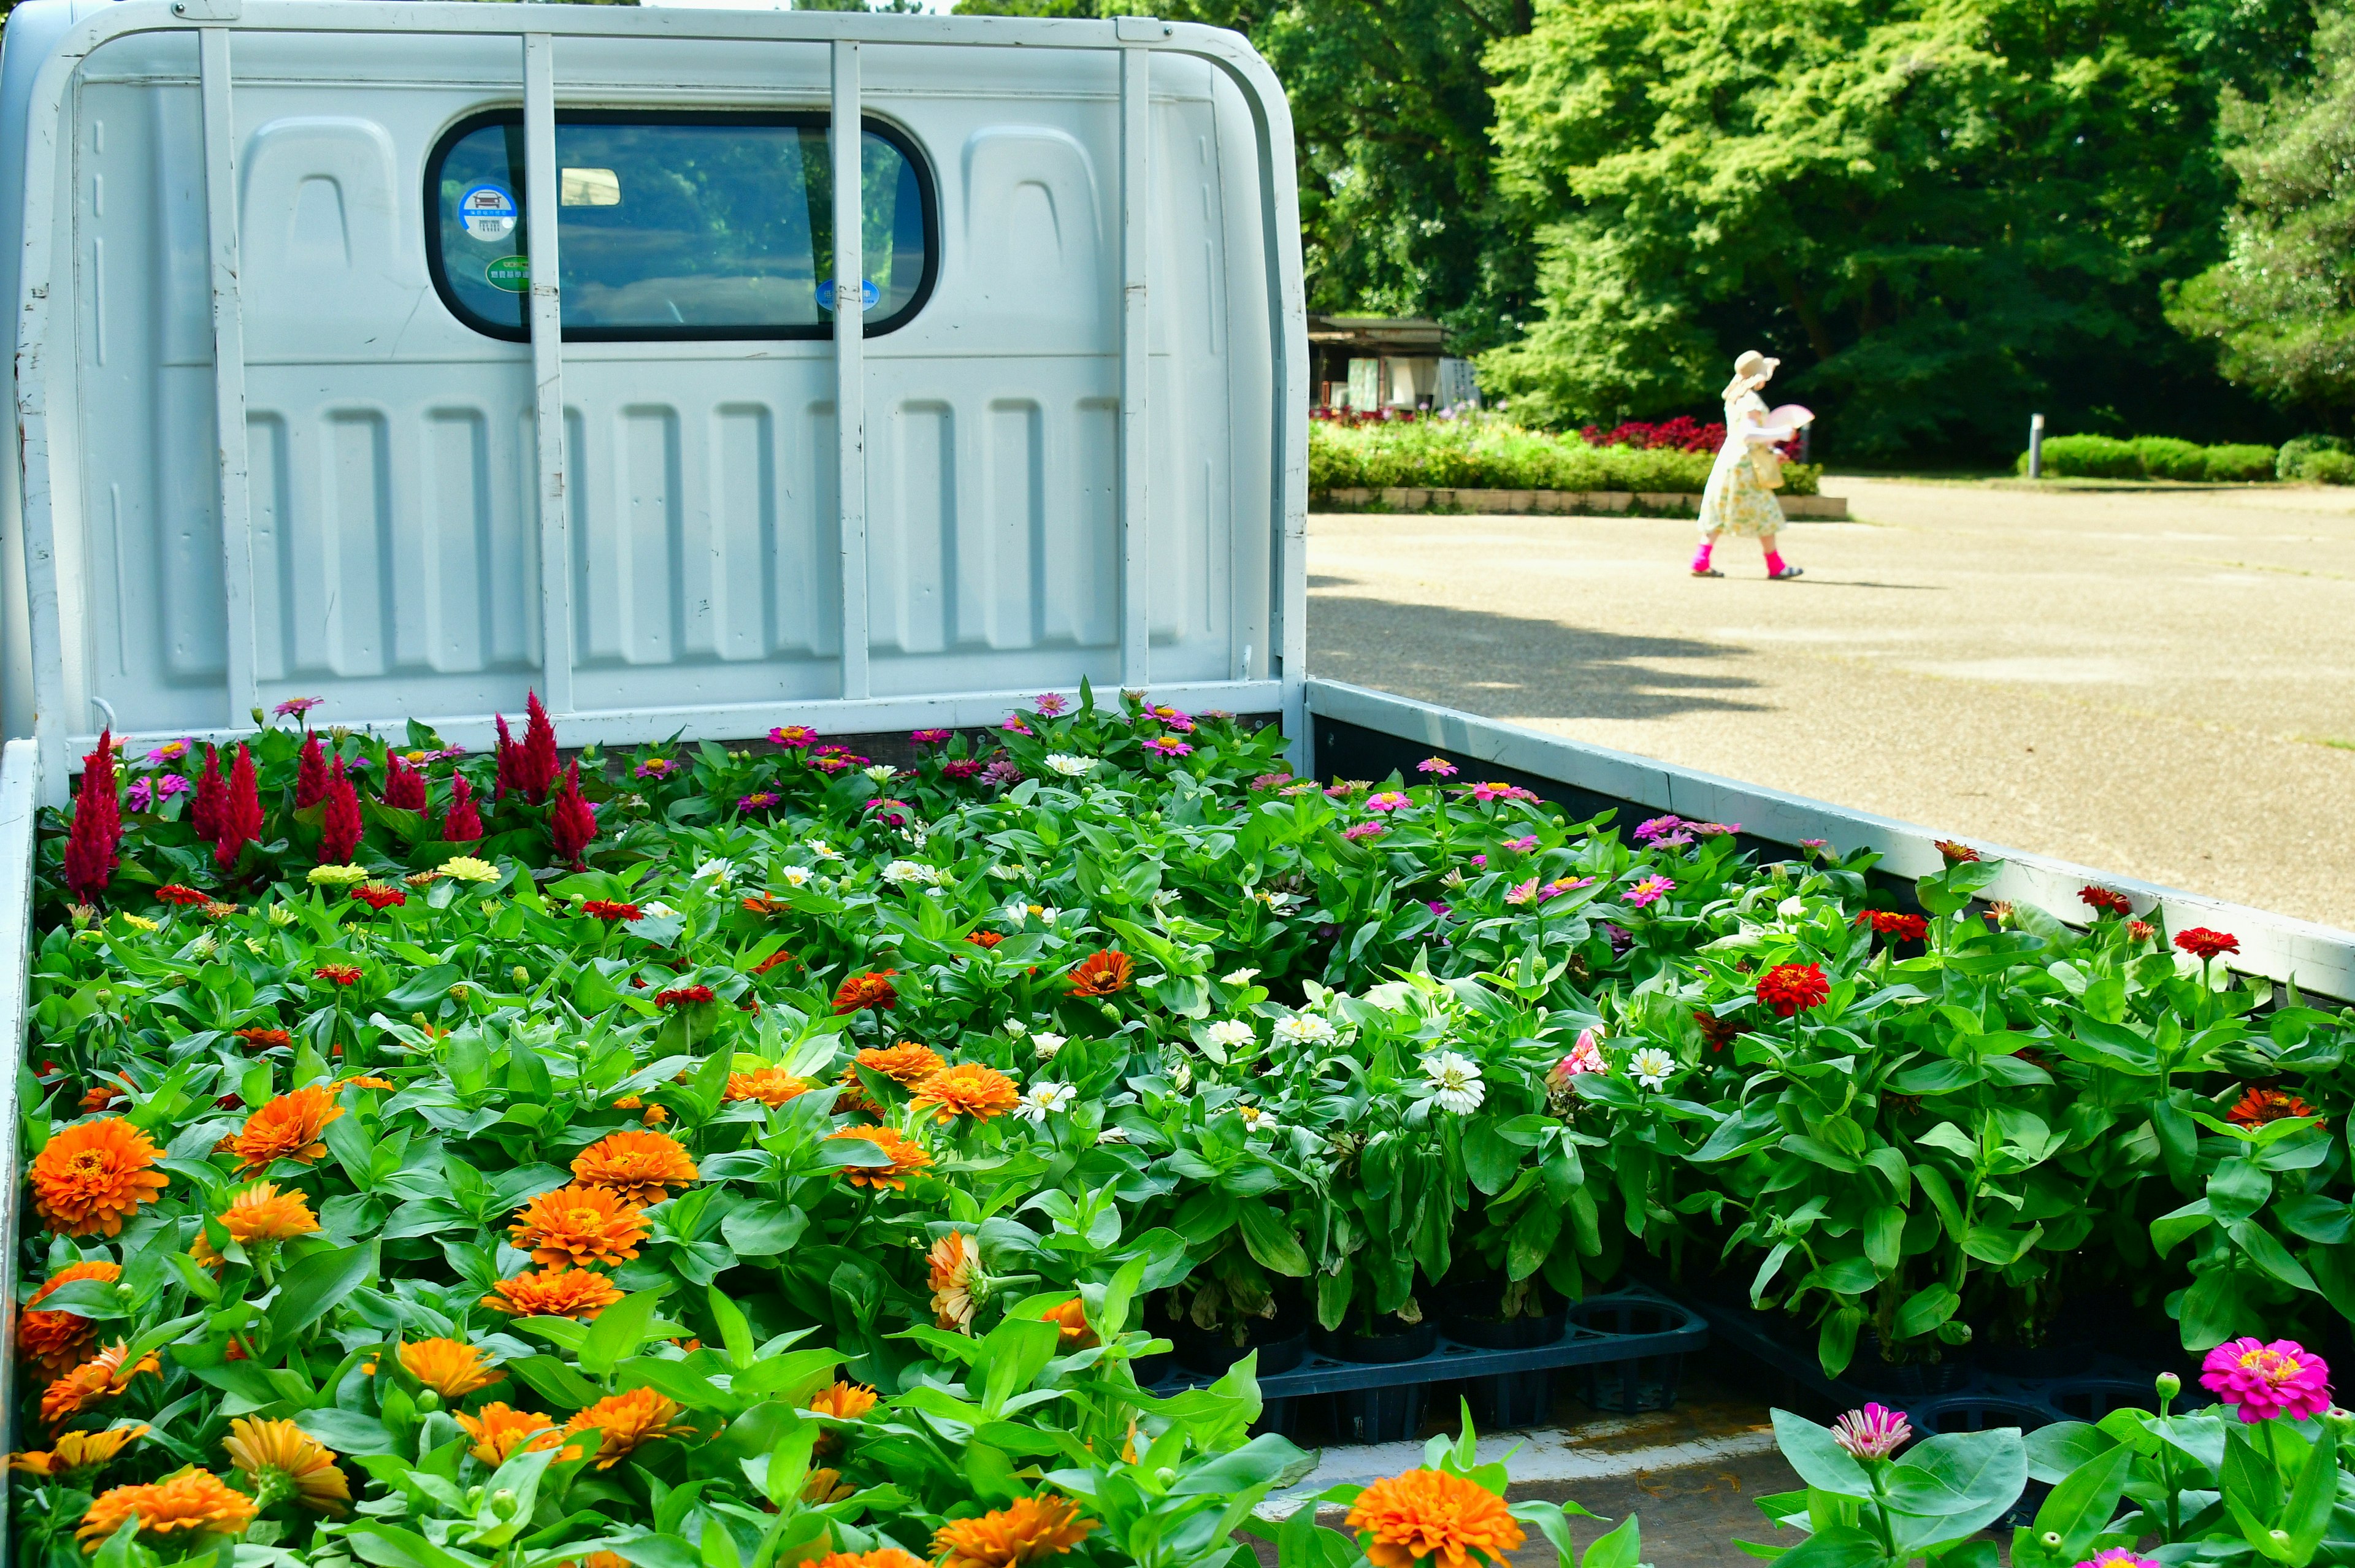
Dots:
pixel 1271 1240
pixel 618 1331
pixel 314 1285
pixel 1842 1546
pixel 2083 1504
pixel 1622 1546
pixel 2054 1451
pixel 1963 1480
pixel 1820 1462
pixel 1925 1309
pixel 2310 1504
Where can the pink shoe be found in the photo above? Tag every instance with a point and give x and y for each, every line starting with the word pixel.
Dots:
pixel 1785 574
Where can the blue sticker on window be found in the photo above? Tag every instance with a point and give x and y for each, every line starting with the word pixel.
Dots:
pixel 488 213
pixel 867 295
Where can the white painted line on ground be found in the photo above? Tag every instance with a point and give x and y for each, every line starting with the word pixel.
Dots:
pixel 1554 1456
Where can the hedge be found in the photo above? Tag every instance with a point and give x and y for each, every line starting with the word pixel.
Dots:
pixel 1488 454
pixel 2152 457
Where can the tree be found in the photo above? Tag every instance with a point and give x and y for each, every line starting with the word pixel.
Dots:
pixel 2281 306
pixel 1942 214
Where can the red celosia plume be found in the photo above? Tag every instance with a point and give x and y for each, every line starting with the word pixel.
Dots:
pixel 240 818
pixel 212 794
pixel 528 768
pixel 462 824
pixel 572 824
pixel 310 773
pixel 339 825
pixel 93 846
pixel 404 786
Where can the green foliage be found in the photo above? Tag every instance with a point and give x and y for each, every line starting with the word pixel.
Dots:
pixel 2154 457
pixel 2317 459
pixel 2281 306
pixel 1942 215
pixel 1495 454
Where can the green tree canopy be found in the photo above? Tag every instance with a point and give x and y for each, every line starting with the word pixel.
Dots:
pixel 2281 306
pixel 1942 214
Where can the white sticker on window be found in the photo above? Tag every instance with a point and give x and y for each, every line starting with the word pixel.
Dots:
pixel 488 212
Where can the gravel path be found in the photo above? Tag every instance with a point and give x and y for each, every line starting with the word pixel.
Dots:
pixel 2155 682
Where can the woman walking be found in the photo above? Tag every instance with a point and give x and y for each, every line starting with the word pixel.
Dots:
pixel 1737 498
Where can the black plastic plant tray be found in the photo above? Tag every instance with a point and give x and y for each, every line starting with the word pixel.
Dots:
pixel 1578 1346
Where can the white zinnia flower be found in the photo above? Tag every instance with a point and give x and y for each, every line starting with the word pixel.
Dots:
pixel 1792 908
pixel 1455 1081
pixel 900 872
pixel 1044 1099
pixel 715 871
pixel 796 876
pixel 1181 1075
pixel 1256 1120
pixel 660 910
pixel 1069 766
pixel 881 772
pixel 1045 1043
pixel 1009 873
pixel 1113 1135
pixel 1652 1067
pixel 1239 978
pixel 817 848
pixel 1304 1029
pixel 1229 1034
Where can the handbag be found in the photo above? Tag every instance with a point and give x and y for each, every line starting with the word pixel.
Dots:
pixel 1769 465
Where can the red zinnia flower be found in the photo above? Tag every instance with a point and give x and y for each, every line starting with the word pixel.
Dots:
pixel 211 796
pixel 339 824
pixel 264 1039
pixel 2258 1107
pixel 985 938
pixel 683 996
pixel 2104 899
pixel 93 844
pixel 380 895
pixel 2141 930
pixel 612 909
pixel 310 773
pixel 1793 988
pixel 241 819
pixel 1955 854
pixel 175 893
pixel 462 824
pixel 571 824
pixel 873 990
pixel 1102 973
pixel 341 974
pixel 404 786
pixel 1888 923
pixel 771 962
pixel 2203 943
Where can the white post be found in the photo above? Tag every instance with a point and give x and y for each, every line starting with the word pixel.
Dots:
pixel 542 210
pixel 232 482
pixel 846 141
pixel 1135 367
pixel 2035 446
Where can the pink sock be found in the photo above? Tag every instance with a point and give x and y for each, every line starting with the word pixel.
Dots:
pixel 1774 562
pixel 1700 561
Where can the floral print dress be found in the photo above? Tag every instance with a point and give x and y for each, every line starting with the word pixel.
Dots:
pixel 1735 501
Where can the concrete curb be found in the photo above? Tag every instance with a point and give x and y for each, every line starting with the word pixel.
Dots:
pixel 1828 508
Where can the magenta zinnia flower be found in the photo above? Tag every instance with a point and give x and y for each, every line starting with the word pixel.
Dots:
pixel 1648 831
pixel 1051 703
pixel 2117 1557
pixel 1168 746
pixel 1014 725
pixel 295 707
pixel 1648 892
pixel 1522 845
pixel 2284 1378
pixel 759 800
pixel 932 737
pixel 1365 830
pixel 1387 800
pixel 1438 766
pixel 1873 1433
pixel 1521 892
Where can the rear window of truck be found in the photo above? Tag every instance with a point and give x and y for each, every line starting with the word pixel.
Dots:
pixel 676 225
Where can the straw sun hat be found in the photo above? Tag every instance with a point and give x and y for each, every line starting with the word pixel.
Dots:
pixel 1753 364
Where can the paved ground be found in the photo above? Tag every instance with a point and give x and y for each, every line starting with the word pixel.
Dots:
pixel 2155 682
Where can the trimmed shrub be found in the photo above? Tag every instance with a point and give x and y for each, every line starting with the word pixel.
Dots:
pixel 2239 463
pixel 2166 458
pixel 2328 467
pixel 2291 463
pixel 2157 457
pixel 2088 457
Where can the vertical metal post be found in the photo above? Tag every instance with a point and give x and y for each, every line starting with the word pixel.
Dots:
pixel 846 141
pixel 2035 446
pixel 541 209
pixel 233 488
pixel 1135 366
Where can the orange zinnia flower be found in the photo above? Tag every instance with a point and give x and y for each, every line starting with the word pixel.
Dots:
pixel 1071 1318
pixel 907 1158
pixel 261 1214
pixel 1030 1531
pixel 554 1293
pixel 58 1342
pixel 881 1557
pixel 500 1430
pixel 288 1128
pixel 101 1377
pixel 1431 1514
pixel 954 1262
pixel 451 1368
pixel 1104 974
pixel 641 1167
pixel 846 1400
pixel 771 1086
pixel 92 1175
pixel 873 990
pixel 2258 1107
pixel 968 1089
pixel 77 1451
pixel 579 1225
pixel 264 1039
pixel 264 1451
pixel 194 1503
pixel 825 1486
pixel 628 1420
pixel 906 1063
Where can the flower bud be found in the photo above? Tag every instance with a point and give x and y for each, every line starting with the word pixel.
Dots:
pixel 257 716
pixel 2169 1385
pixel 2052 1540
pixel 428 1401
pixel 522 976
pixel 1165 1475
pixel 504 1502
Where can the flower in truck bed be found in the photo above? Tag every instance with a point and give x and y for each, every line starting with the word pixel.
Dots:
pixel 190 1505
pixel 903 1158
pixel 2203 943
pixel 466 868
pixel 500 1431
pixel 873 990
pixel 1455 1082
pixel 94 840
pixel 76 1453
pixel 289 1127
pixel 967 1089
pixel 91 1176
pixel 579 1226
pixel 2265 1381
pixel 557 1292
pixel 57 1342
pixel 1104 974
pixel 2258 1107
pixel 1430 1516
pixel 278 1458
pixel 1876 1432
pixel 628 1420
pixel 640 1166
pixel 1028 1530
pixel 451 1368
pixel 1648 892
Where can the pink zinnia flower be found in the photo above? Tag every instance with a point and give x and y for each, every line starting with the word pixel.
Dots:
pixel 2284 1378
pixel 295 707
pixel 1388 800
pixel 1481 860
pixel 1648 892
pixel 2117 1557
pixel 1014 725
pixel 1168 746
pixel 1522 845
pixel 139 796
pixel 1485 792
pixel 961 767
pixel 1271 781
pixel 1176 719
pixel 1438 766
pixel 1715 829
pixel 793 736
pixel 1004 770
pixel 657 768
pixel 171 750
pixel 1585 1056
pixel 759 800
pixel 1555 889
pixel 1435 907
pixel 1814 843
pixel 1658 825
pixel 1521 892
pixel 931 737
pixel 169 784
pixel 1364 830
pixel 1873 1433
pixel 1051 703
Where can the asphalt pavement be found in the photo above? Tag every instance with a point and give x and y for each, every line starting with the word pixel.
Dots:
pixel 2155 682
